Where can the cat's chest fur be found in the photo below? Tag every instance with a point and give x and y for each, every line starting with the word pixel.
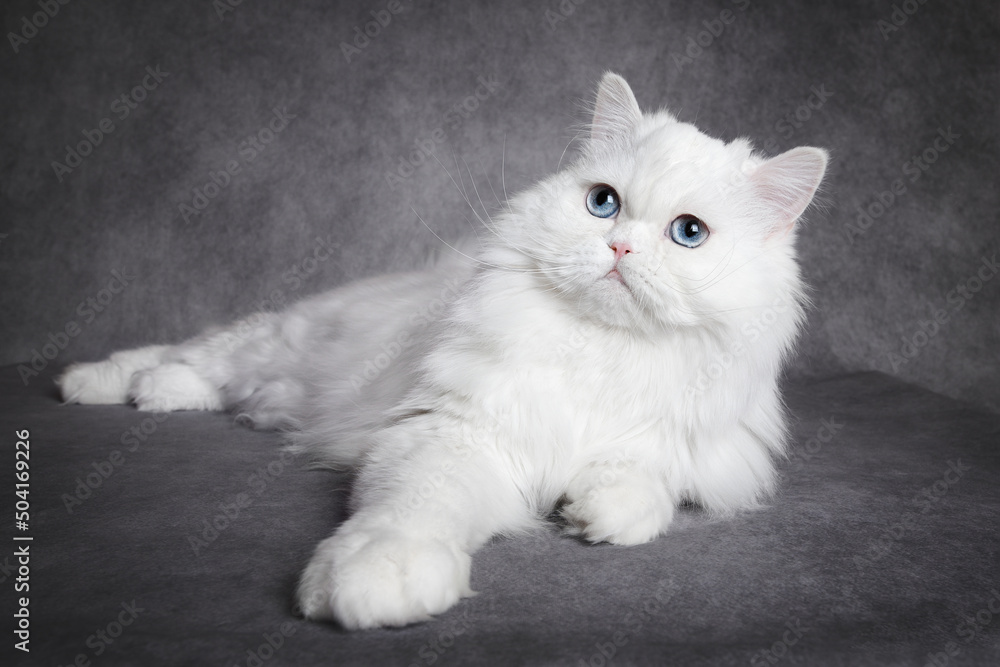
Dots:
pixel 526 359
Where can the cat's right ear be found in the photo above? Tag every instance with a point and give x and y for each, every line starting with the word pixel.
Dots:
pixel 786 184
pixel 616 113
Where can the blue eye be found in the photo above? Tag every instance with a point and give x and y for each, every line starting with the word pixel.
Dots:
pixel 603 202
pixel 688 231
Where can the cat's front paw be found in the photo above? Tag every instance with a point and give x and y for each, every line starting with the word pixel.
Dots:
pixel 625 511
pixel 382 579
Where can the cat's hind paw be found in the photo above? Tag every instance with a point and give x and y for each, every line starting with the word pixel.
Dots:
pixel 385 579
pixel 97 383
pixel 107 382
pixel 170 387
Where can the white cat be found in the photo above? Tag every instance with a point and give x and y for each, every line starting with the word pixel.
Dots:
pixel 615 346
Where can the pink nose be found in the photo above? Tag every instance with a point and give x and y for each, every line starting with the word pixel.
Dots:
pixel 621 249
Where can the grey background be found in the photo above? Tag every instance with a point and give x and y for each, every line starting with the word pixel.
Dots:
pixel 323 176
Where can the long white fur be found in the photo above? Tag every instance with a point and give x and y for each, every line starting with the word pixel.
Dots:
pixel 476 395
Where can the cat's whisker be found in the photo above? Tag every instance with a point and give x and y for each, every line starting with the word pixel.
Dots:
pixel 503 165
pixel 490 183
pixel 720 266
pixel 458 170
pixel 494 228
pixel 735 269
pixel 463 191
pixel 460 189
pixel 475 189
pixel 474 260
pixel 465 188
pixel 572 139
pixel 502 205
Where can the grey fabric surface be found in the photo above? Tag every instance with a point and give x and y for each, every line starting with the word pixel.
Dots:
pixel 881 95
pixel 853 564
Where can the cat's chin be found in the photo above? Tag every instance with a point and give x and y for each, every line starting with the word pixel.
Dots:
pixel 613 302
pixel 614 290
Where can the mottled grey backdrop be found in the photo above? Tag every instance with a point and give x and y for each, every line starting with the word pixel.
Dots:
pixel 99 252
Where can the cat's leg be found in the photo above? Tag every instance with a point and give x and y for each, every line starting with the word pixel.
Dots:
pixel 618 502
pixel 144 376
pixel 406 553
pixel 107 382
pixel 188 376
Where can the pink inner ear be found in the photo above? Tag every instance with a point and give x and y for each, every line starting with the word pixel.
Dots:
pixel 785 184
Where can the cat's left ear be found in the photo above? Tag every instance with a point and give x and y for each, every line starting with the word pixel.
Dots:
pixel 785 185
pixel 616 113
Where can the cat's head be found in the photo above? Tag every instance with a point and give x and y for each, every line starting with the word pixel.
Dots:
pixel 658 226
